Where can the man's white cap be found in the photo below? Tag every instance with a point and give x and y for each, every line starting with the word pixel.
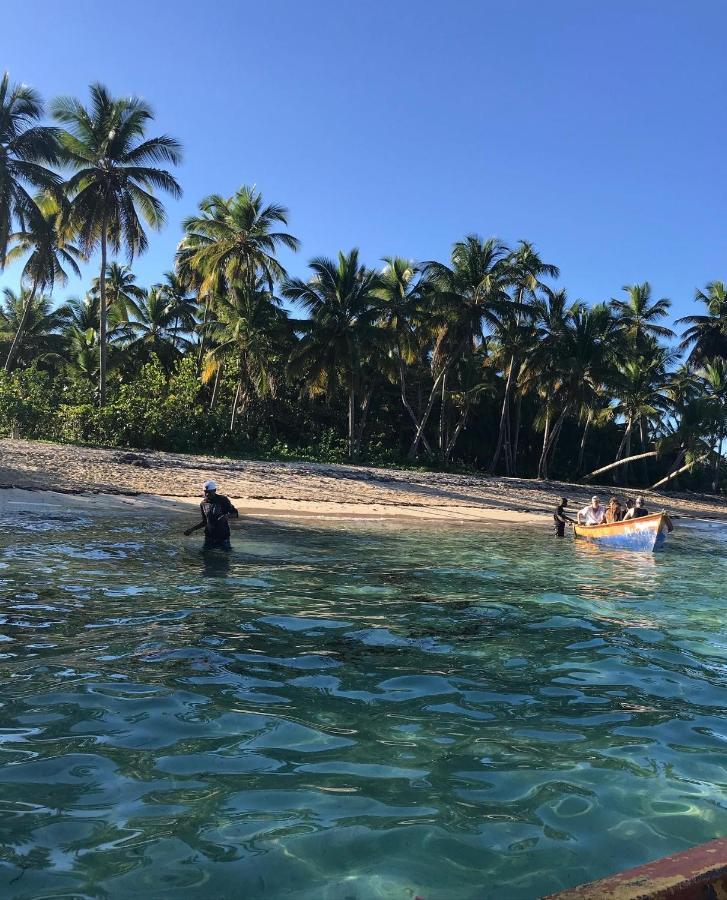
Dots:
pixel 210 485
pixel 593 498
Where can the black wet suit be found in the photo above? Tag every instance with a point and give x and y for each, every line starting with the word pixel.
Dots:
pixel 559 520
pixel 215 510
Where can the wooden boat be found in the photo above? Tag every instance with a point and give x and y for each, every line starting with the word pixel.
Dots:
pixel 696 874
pixel 645 533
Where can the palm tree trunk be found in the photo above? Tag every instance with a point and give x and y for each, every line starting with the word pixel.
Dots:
pixel 675 474
pixel 102 319
pixel 414 449
pixel 582 448
pixel 516 431
pixel 458 428
pixel 546 438
pixel 644 434
pixel 504 418
pixel 406 404
pixel 442 415
pixel 351 422
pixel 235 403
pixel 365 406
pixel 549 447
pixel 203 332
pixel 652 454
pixel 215 386
pixel 20 333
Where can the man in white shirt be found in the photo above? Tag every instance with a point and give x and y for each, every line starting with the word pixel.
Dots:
pixel 593 514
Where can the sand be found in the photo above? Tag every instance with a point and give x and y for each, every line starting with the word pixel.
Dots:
pixel 44 477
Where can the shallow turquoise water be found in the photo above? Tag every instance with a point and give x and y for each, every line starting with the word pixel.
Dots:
pixel 369 713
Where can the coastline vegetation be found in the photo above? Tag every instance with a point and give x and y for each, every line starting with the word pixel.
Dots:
pixel 479 360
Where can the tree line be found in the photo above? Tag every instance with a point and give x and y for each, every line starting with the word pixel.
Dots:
pixel 480 360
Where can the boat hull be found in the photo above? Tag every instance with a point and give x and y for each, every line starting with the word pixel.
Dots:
pixel 647 533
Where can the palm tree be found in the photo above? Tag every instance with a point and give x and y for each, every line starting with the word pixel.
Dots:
pixel 149 331
pixel 527 269
pixel 181 302
pixel 50 253
pixel 470 294
pixel 26 150
pixel 707 334
pixel 250 333
pixel 638 317
pixel 714 375
pixel 115 176
pixel 41 335
pixel 341 301
pixel 402 312
pixel 123 294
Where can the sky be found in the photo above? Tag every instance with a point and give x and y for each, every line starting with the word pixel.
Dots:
pixel 596 130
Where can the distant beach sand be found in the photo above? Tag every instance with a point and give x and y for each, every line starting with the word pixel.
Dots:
pixel 44 477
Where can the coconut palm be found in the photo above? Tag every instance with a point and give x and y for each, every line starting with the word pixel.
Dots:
pixel 469 295
pixel 50 255
pixel 112 189
pixel 182 304
pixel 341 300
pixel 123 294
pixel 248 333
pixel 148 332
pixel 26 150
pixel 706 336
pixel 638 317
pixel 41 334
pixel 234 239
pixel 402 312
pixel 527 271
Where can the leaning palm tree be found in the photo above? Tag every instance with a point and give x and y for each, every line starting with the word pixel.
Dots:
pixel 340 299
pixel 41 334
pixel 50 253
pixel 112 188
pixel 26 151
pixel 706 336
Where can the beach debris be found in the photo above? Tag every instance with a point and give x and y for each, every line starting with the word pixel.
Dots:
pixel 133 459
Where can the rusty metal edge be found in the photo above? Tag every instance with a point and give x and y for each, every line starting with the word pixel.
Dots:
pixel 663 878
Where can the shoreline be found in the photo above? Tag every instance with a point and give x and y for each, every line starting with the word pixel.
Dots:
pixel 40 476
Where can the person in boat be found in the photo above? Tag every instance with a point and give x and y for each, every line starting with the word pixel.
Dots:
pixel 593 514
pixel 637 510
pixel 216 510
pixel 614 511
pixel 560 517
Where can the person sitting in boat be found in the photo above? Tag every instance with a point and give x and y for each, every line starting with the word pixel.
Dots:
pixel 215 509
pixel 593 514
pixel 560 517
pixel 614 511
pixel 637 510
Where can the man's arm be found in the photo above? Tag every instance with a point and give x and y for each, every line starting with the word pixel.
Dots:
pixel 195 528
pixel 230 509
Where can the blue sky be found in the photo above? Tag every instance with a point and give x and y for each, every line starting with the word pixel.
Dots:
pixel 594 129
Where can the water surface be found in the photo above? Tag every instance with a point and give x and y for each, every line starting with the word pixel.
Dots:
pixel 366 713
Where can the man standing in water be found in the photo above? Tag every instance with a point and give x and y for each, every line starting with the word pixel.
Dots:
pixel 560 517
pixel 215 508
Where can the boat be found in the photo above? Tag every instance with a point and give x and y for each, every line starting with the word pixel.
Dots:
pixel 696 874
pixel 645 533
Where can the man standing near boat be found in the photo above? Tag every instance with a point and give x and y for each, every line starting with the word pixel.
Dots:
pixel 215 509
pixel 560 518
pixel 593 514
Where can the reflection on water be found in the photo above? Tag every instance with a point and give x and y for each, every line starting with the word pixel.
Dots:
pixel 371 713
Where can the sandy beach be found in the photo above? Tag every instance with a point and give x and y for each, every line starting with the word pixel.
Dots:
pixel 44 476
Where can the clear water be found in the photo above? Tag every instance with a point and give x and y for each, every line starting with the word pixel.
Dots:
pixel 369 713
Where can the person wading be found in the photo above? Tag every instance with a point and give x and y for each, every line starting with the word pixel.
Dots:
pixel 560 517
pixel 216 509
